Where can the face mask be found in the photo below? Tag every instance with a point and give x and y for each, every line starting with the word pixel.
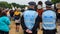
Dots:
pixel 39 6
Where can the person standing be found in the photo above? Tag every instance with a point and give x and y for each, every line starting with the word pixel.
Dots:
pixel 17 18
pixel 4 23
pixel 11 14
pixel 30 19
pixel 49 19
pixel 40 10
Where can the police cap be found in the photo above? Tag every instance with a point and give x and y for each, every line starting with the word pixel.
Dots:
pixel 32 3
pixel 48 3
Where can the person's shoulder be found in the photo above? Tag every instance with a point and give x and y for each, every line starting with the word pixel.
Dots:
pixel 49 10
pixel 4 17
pixel 24 12
pixel 44 11
pixel 52 11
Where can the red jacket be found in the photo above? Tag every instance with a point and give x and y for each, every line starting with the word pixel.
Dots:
pixel 40 11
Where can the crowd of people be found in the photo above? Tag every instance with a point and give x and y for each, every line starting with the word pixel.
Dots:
pixel 30 19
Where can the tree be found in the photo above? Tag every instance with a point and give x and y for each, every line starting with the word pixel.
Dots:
pixel 17 5
pixel 55 1
pixel 8 5
pixel 5 5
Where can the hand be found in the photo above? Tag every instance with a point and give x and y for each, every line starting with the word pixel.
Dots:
pixel 30 31
pixel 27 30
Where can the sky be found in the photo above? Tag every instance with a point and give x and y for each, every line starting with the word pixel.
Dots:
pixel 23 2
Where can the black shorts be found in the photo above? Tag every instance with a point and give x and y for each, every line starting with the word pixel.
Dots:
pixel 17 24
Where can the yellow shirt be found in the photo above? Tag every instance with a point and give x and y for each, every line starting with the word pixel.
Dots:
pixel 17 13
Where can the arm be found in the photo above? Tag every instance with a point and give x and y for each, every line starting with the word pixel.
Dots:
pixel 36 23
pixel 23 24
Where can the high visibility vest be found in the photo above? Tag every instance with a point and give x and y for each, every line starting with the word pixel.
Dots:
pixel 29 18
pixel 49 20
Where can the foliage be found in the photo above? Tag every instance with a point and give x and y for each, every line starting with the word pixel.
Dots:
pixel 55 1
pixel 8 5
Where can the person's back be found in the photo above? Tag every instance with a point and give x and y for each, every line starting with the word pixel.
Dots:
pixel 17 18
pixel 49 20
pixel 4 23
pixel 29 18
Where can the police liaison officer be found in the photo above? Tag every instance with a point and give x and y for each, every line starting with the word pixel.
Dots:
pixel 30 19
pixel 49 19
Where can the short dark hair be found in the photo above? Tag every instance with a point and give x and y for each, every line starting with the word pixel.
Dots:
pixel 40 2
pixel 4 13
pixel 48 3
pixel 0 12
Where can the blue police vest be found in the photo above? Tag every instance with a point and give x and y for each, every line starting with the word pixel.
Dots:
pixel 49 20
pixel 29 18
